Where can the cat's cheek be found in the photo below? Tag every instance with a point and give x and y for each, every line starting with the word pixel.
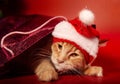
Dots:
pixel 58 68
pixel 53 60
pixel 55 63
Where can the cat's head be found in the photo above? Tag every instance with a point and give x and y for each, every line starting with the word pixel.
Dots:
pixel 67 57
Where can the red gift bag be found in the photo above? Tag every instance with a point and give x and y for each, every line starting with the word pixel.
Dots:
pixel 18 33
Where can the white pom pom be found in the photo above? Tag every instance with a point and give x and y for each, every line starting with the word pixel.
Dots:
pixel 86 16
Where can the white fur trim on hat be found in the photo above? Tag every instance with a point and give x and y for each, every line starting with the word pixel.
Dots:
pixel 65 30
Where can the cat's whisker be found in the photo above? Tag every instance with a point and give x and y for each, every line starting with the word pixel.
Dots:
pixel 79 73
pixel 72 72
pixel 39 58
pixel 42 55
pixel 44 50
pixel 76 73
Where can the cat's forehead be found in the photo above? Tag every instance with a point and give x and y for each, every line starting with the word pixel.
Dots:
pixel 67 45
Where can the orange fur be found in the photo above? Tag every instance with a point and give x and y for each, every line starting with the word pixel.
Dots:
pixel 64 57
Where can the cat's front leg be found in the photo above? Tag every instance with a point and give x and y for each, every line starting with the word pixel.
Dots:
pixel 94 71
pixel 45 71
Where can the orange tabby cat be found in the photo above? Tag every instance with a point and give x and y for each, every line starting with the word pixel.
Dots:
pixel 65 57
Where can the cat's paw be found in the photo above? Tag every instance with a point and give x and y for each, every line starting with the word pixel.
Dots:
pixel 45 71
pixel 94 71
pixel 47 75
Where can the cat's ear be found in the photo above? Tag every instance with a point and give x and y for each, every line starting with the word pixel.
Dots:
pixel 103 42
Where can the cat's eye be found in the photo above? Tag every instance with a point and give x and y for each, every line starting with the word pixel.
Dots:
pixel 59 46
pixel 74 54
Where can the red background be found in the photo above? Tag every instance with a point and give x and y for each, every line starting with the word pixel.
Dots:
pixel 107 13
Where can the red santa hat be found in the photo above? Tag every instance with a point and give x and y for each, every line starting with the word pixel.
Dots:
pixel 81 33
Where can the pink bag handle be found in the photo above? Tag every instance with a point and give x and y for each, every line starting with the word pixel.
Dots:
pixel 5 48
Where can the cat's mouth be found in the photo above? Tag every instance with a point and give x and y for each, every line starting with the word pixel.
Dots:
pixel 68 71
pixel 61 69
pixel 65 68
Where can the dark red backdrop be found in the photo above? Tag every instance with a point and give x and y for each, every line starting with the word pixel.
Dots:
pixel 107 14
pixel 106 11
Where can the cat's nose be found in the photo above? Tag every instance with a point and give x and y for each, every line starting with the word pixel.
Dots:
pixel 60 60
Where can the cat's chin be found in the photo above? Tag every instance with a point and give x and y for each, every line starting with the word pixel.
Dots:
pixel 60 69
